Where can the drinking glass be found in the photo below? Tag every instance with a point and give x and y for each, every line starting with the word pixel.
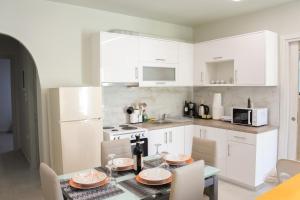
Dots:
pixel 157 146
pixel 111 168
pixel 164 164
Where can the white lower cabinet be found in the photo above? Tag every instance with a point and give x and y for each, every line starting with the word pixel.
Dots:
pixel 241 162
pixel 243 158
pixel 171 140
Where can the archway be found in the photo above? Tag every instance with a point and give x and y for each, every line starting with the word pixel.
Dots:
pixel 25 87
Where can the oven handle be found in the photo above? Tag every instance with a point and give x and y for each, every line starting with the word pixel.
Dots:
pixel 134 143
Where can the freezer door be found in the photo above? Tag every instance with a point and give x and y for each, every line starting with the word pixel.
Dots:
pixel 78 103
pixel 81 145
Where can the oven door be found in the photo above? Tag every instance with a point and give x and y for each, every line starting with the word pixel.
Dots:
pixel 242 116
pixel 143 144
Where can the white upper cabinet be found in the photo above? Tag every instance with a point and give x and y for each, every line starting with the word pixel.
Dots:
pixel 158 50
pixel 244 60
pixel 118 58
pixel 256 59
pixel 186 64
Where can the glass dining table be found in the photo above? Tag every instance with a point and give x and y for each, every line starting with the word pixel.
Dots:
pixel 127 188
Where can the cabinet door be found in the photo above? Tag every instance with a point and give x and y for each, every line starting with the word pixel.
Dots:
pixel 185 75
pixel 250 59
pixel 157 137
pixel 176 140
pixel 200 55
pixel 157 50
pixel 189 132
pixel 220 136
pixel 118 57
pixel 241 162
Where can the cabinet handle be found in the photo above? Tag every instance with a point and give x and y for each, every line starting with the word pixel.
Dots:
pixel 200 133
pixel 201 76
pixel 160 59
pixel 239 137
pixel 136 73
pixel 170 137
pixel 217 58
pixel 160 83
pixel 228 150
pixel 235 76
pixel 166 137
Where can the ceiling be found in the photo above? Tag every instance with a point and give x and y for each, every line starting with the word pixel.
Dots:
pixel 185 12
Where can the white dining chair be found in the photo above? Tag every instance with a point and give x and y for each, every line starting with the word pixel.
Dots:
pixel 287 168
pixel 121 148
pixel 188 182
pixel 50 183
pixel 203 149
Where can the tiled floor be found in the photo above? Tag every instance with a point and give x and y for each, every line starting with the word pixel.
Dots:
pixel 17 182
pixel 6 142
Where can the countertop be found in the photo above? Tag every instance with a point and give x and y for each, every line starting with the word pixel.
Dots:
pixel 208 123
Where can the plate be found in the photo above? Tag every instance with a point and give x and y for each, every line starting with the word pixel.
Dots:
pixel 89 178
pixel 142 181
pixel 123 162
pixel 155 175
pixel 189 161
pixel 86 187
pixel 177 158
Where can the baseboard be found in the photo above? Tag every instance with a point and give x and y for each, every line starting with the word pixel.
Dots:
pixel 249 187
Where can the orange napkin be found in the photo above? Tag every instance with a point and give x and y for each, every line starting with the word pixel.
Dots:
pixel 288 190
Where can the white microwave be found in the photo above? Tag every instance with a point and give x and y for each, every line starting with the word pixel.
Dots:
pixel 250 116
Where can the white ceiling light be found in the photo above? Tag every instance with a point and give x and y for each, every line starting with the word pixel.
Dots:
pixel 236 0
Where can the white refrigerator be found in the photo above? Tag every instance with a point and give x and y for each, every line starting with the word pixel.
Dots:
pixel 75 128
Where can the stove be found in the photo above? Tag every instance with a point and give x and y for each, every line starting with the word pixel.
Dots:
pixel 123 131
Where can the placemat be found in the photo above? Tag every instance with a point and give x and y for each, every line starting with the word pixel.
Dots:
pixel 145 191
pixel 90 194
pixel 157 162
pixel 115 174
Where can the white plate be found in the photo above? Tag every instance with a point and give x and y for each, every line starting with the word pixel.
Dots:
pixel 89 178
pixel 155 174
pixel 123 162
pixel 179 158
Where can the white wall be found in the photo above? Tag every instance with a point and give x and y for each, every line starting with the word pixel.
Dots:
pixel 5 96
pixel 282 19
pixel 57 36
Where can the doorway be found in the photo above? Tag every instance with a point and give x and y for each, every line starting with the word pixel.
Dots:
pixel 18 103
pixel 6 134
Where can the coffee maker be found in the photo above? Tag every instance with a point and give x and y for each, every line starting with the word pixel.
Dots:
pixel 190 109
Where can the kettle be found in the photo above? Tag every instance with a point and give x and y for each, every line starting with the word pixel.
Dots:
pixel 203 110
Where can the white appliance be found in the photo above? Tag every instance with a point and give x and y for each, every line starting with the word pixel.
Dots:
pixel 75 128
pixel 217 109
pixel 126 131
pixel 250 116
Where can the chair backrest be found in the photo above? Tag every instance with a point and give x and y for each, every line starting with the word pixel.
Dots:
pixel 188 182
pixel 203 149
pixel 287 168
pixel 50 183
pixel 122 149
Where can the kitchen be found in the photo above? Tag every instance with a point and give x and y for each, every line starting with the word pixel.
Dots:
pixel 157 70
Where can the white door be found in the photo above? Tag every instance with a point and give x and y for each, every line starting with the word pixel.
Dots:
pixel 157 137
pixel 250 70
pixel 220 136
pixel 176 140
pixel 118 57
pixel 157 50
pixel 241 162
pixel 79 103
pixel 81 145
pixel 186 64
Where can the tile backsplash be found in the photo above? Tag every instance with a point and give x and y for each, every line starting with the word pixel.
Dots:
pixel 238 96
pixel 159 100
pixel 170 100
